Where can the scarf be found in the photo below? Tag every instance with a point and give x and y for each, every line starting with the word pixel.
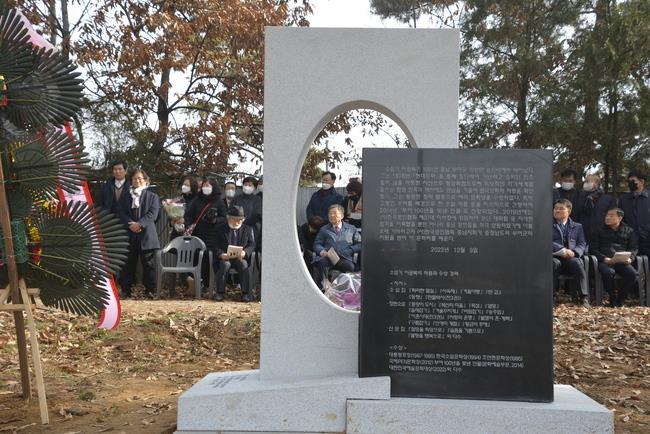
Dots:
pixel 136 194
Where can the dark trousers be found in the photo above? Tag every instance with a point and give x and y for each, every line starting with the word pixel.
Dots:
pixel 148 261
pixel 573 267
pixel 325 265
pixel 644 246
pixel 628 278
pixel 221 269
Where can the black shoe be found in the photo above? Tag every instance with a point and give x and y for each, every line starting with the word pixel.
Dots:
pixel 218 296
pixel 246 298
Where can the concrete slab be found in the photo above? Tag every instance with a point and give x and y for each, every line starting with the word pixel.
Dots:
pixel 240 401
pixel 571 412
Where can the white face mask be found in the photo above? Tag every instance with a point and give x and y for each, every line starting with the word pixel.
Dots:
pixel 567 186
pixel 230 194
pixel 185 189
pixel 248 189
pixel 325 186
pixel 588 186
pixel 206 190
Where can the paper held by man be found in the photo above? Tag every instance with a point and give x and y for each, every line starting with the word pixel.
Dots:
pixel 621 257
pixel 333 256
pixel 234 252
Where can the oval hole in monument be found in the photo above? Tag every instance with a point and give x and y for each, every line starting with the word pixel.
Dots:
pixel 338 149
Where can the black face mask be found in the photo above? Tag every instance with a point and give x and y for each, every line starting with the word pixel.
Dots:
pixel 633 185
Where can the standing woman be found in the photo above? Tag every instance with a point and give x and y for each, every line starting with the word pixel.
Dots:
pixel 140 211
pixel 189 190
pixel 202 217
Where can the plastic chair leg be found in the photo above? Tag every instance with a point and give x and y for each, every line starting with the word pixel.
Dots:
pixel 197 284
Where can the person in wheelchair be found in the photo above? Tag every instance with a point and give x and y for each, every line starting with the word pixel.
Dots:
pixel 335 245
pixel 615 236
pixel 235 246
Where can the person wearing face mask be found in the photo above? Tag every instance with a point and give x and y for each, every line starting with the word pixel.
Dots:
pixel 250 202
pixel 233 233
pixel 306 236
pixel 202 217
pixel 595 206
pixel 325 197
pixel 230 191
pixel 568 190
pixel 636 206
pixel 139 211
pixel 260 187
pixel 353 203
pixel 189 189
pixel 113 189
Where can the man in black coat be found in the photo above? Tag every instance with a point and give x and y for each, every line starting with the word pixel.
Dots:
pixel 233 233
pixel 114 188
pixel 595 206
pixel 636 206
pixel 568 190
pixel 614 237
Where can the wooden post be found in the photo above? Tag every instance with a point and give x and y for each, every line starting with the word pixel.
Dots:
pixel 36 355
pixel 12 271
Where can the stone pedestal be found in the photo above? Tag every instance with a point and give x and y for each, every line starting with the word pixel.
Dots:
pixel 571 412
pixel 241 402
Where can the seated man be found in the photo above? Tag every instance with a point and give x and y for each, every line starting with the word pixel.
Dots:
pixel 233 233
pixel 568 246
pixel 342 237
pixel 306 236
pixel 614 237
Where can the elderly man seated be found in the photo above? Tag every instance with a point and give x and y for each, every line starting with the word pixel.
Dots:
pixel 234 234
pixel 336 244
pixel 615 237
pixel 568 246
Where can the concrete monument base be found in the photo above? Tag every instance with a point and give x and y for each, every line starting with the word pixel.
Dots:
pixel 570 412
pixel 239 402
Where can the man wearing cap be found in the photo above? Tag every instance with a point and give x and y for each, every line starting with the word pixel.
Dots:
pixel 339 236
pixel 636 206
pixel 233 233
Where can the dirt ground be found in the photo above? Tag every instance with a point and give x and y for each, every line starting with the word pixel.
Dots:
pixel 129 380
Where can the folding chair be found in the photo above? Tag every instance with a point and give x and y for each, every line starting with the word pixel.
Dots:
pixel 189 251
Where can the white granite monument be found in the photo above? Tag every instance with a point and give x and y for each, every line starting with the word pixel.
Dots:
pixel 308 381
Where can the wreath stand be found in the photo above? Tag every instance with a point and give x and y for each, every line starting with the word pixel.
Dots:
pixel 21 305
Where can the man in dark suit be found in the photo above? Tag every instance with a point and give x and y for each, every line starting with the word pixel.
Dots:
pixel 614 237
pixel 342 237
pixel 636 205
pixel 320 201
pixel 114 188
pixel 568 247
pixel 233 233
pixel 569 190
pixel 594 208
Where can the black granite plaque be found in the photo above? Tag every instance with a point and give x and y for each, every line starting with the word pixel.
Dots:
pixel 457 275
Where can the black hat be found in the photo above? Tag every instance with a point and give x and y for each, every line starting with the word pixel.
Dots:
pixel 236 212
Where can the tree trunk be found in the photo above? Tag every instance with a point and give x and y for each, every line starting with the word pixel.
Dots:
pixel 163 112
pixel 51 21
pixel 65 30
